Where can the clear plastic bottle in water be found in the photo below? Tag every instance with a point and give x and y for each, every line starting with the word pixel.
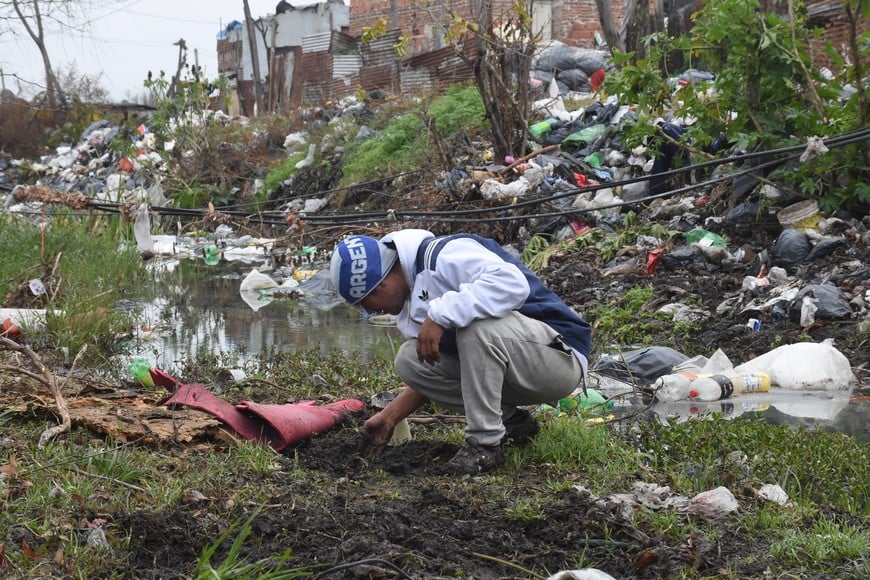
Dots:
pixel 673 387
pixel 722 386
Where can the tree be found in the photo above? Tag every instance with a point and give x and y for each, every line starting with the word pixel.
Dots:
pixel 505 45
pixel 33 15
pixel 611 33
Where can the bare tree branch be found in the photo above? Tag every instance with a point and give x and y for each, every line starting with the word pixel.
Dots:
pixel 51 381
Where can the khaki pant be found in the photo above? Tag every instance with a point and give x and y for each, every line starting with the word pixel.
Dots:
pixel 502 363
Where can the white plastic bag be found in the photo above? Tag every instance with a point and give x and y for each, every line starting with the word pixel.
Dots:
pixel 713 503
pixel 811 366
pixel 142 230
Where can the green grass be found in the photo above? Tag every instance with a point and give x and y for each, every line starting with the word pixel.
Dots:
pixel 282 171
pixel 621 320
pixel 85 268
pixel 811 465
pixel 235 566
pixel 54 491
pixel 405 141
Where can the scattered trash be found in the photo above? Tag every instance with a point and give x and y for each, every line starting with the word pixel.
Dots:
pixel 801 366
pixel 592 400
pixel 37 288
pixel 801 216
pixel 581 574
pixel 774 493
pixel 212 255
pixel 142 231
pixel 713 504
pixel 722 386
pixel 140 369
pixel 804 366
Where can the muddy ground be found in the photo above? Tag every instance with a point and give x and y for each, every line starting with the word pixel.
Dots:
pixel 391 516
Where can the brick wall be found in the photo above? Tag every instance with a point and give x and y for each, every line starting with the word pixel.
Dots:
pixel 837 33
pixel 576 21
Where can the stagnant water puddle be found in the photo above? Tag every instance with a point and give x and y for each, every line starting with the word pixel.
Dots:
pixel 199 308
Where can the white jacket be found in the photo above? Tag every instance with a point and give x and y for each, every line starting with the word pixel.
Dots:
pixel 471 283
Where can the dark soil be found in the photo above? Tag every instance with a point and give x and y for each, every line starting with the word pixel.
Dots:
pixel 390 515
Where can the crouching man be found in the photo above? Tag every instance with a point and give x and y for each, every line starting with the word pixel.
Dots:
pixel 485 335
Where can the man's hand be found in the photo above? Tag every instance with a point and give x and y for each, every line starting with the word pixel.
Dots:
pixel 376 433
pixel 378 429
pixel 429 342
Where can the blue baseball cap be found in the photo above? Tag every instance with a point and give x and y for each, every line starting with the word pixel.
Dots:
pixel 359 263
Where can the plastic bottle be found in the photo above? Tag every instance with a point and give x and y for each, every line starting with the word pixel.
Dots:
pixel 542 127
pixel 577 400
pixel 720 386
pixel 212 255
pixel 673 387
pixel 140 369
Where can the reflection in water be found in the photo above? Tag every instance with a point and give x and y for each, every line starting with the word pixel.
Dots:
pixel 197 309
pixel 837 412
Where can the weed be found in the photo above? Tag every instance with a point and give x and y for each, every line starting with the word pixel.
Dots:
pixel 827 541
pixel 765 94
pixel 622 321
pixel 83 274
pixel 525 510
pixel 701 454
pixel 404 141
pixel 282 171
pixel 234 566
pixel 258 457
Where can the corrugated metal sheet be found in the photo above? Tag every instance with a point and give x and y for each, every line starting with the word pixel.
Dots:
pixel 429 59
pixel 414 79
pixel 453 70
pixel 342 42
pixel 316 42
pixel 316 66
pixel 437 68
pixel 345 65
pixel 823 7
pixel 380 51
pixel 377 77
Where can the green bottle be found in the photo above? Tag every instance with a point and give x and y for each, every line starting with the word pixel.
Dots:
pixel 578 401
pixel 140 369
pixel 542 127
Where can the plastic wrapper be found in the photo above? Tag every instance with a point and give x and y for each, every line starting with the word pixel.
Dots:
pixel 811 366
pixel 644 365
pixel 142 230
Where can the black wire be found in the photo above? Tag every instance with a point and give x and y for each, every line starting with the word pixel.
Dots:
pixel 434 216
pixel 345 566
pixel 847 139
pixel 277 219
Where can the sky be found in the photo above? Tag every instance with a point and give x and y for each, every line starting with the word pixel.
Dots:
pixel 125 40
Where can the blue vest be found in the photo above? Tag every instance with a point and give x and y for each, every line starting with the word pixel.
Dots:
pixel 542 303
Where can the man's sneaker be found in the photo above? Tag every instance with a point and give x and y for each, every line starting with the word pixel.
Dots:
pixel 473 458
pixel 521 427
